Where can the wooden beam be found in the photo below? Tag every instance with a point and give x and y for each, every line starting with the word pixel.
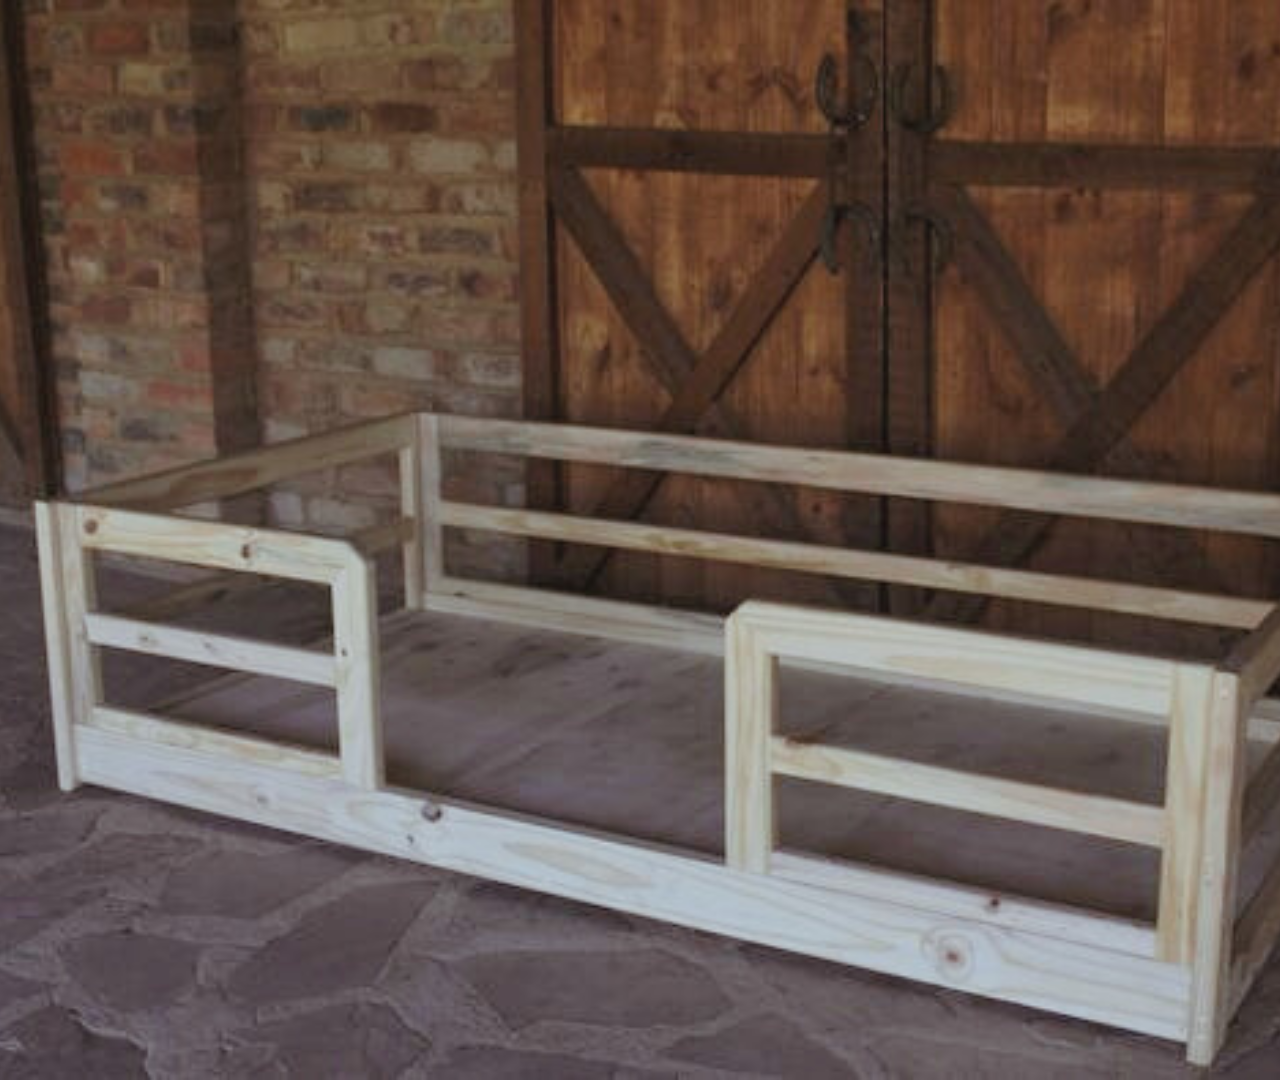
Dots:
pixel 33 423
pixel 669 150
pixel 214 650
pixel 539 315
pixel 1251 513
pixel 1069 165
pixel 238 474
pixel 861 565
pixel 1256 659
pixel 1081 979
pixel 1011 800
pixel 1161 354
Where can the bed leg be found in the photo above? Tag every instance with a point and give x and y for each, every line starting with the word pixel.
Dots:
pixel 1222 767
pixel 751 710
pixel 68 592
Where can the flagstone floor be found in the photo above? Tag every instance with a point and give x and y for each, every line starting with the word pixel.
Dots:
pixel 139 940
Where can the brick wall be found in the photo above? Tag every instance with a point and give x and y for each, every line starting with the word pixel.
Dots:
pixel 381 155
pixel 137 137
pixel 271 217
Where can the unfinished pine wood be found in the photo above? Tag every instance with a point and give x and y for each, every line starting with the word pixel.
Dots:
pixel 1222 766
pixel 751 714
pixel 1189 739
pixel 1034 804
pixel 358 675
pixel 217 650
pixel 431 478
pixel 863 565
pixel 294 556
pixel 1012 912
pixel 1056 672
pixel 1256 659
pixel 414 513
pixel 1254 513
pixel 254 469
pixel 229 747
pixel 1072 978
pixel 59 603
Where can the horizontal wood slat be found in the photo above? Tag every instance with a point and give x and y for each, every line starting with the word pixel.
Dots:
pixel 664 150
pixel 860 565
pixel 1244 512
pixel 216 650
pixel 241 473
pixel 1034 804
pixel 1146 168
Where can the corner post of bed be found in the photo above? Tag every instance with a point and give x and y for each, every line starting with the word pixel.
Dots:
pixel 411 510
pixel 430 529
pixel 356 655
pixel 1212 855
pixel 68 593
pixel 751 713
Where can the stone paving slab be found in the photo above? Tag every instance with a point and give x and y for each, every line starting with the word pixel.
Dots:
pixel 142 940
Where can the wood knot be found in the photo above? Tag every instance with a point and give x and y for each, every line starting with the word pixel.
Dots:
pixel 91 526
pixel 246 552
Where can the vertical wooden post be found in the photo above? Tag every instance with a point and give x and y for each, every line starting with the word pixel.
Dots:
pixel 751 709
pixel 30 413
pixel 431 477
pixel 1189 724
pixel 540 354
pixel 68 592
pixel 411 509
pixel 1223 766
pixel 355 644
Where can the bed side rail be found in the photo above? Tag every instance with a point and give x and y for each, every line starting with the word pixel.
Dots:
pixel 77 631
pixel 1196 829
pixel 1255 513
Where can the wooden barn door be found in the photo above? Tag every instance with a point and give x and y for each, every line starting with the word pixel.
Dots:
pixel 26 454
pixel 1109 184
pixel 677 172
pixel 1057 250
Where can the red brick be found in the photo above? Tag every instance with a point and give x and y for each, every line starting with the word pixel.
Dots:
pixel 119 38
pixel 92 159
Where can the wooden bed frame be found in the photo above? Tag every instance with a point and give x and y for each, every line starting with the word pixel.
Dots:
pixel 1181 977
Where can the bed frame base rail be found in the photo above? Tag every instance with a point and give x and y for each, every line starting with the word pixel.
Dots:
pixel 1008 962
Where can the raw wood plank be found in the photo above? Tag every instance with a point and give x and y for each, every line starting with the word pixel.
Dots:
pixel 1081 979
pixel 217 650
pixel 1223 770
pixel 1033 804
pixel 751 715
pixel 358 675
pixel 1185 796
pixel 239 474
pixel 860 565
pixel 1186 506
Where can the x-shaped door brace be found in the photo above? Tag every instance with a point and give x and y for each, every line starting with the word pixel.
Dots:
pixel 695 383
pixel 1097 419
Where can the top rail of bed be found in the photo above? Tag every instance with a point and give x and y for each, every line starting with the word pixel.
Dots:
pixel 420 438
pixel 1254 513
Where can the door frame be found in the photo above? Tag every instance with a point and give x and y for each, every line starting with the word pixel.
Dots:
pixel 31 429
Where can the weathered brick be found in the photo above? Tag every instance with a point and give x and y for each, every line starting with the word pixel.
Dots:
pixel 317 35
pixel 118 38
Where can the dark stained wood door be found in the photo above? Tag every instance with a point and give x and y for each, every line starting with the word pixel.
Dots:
pixel 1110 177
pixel 688 170
pixel 26 441
pixel 1065 259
